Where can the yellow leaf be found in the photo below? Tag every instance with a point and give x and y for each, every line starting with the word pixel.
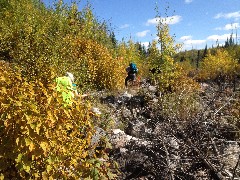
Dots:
pixel 44 176
pixel 49 168
pixel 17 140
pixel 38 127
pixel 33 107
pixel 44 146
pixel 69 126
pixel 36 175
pixel 33 125
pixel 28 141
pixel 31 147
pixel 40 84
pixel 27 117
pixel 49 99
pixel 26 168
pixel 4 90
pixel 18 103
pixel 19 158
pixel 9 116
pixel 2 78
pixel 1 177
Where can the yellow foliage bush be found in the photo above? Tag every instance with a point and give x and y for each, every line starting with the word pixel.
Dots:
pixel 214 64
pixel 101 69
pixel 39 138
pixel 47 43
pixel 26 38
pixel 174 77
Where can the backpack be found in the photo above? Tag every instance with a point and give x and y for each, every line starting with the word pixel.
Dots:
pixel 133 68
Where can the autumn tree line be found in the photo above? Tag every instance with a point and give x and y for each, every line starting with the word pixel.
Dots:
pixel 41 139
pixel 231 45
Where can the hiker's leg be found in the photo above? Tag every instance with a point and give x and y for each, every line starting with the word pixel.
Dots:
pixel 134 77
pixel 127 79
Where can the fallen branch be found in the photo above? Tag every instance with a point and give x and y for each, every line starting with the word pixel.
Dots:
pixel 168 161
pixel 222 107
pixel 234 171
pixel 216 172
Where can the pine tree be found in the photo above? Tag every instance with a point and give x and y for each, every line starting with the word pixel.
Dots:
pixel 226 43
pixel 231 41
pixel 198 59
pixel 205 52
pixel 113 39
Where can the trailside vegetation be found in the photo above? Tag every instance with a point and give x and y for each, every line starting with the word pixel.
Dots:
pixel 42 139
pixel 171 76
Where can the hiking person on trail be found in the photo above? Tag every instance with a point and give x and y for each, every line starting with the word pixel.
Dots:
pixel 132 71
pixel 65 85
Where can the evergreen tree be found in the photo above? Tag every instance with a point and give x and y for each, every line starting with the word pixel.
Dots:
pixel 231 41
pixel 141 49
pixel 198 59
pixel 205 52
pixel 226 43
pixel 113 39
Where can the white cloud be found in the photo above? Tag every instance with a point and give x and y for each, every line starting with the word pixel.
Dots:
pixel 124 26
pixel 235 15
pixel 194 42
pixel 189 43
pixel 185 38
pixel 188 1
pixel 229 26
pixel 218 37
pixel 145 44
pixel 153 21
pixel 142 34
pixel 168 20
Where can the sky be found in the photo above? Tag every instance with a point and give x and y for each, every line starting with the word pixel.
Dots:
pixel 193 23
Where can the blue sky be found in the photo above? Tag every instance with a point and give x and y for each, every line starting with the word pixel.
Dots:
pixel 194 23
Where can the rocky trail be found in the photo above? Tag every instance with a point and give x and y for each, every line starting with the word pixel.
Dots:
pixel 150 145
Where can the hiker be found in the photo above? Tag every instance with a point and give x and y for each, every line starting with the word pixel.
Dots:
pixel 65 85
pixel 132 71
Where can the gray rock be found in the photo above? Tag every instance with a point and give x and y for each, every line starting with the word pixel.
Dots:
pixel 152 88
pixel 97 136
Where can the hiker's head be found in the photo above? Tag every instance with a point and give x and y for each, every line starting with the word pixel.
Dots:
pixel 70 75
